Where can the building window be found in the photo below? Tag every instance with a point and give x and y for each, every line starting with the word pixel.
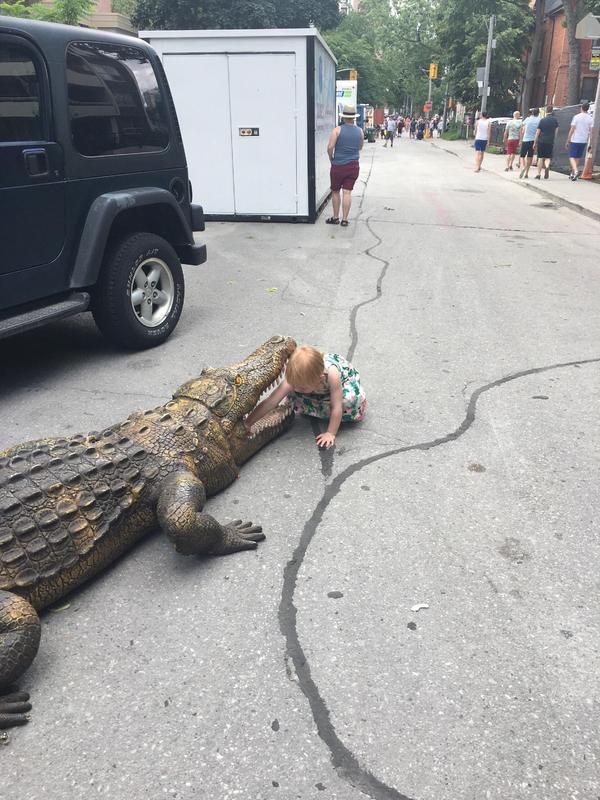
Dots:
pixel 588 88
pixel 20 119
pixel 115 103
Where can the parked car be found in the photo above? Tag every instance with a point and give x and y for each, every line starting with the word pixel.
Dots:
pixel 95 201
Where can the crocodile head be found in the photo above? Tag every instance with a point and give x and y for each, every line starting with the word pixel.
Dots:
pixel 231 393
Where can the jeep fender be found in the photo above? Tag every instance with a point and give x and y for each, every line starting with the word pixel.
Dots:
pixel 101 217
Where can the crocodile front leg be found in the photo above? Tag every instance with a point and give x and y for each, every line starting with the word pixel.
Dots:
pixel 179 510
pixel 19 642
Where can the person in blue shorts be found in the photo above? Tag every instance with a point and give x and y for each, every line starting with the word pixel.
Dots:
pixel 482 134
pixel 579 135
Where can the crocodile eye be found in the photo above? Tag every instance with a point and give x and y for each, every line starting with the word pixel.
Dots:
pixel 238 380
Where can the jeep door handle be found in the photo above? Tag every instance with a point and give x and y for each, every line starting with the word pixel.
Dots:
pixel 36 162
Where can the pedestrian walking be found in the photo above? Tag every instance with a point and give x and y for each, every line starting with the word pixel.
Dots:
pixel 399 126
pixel 391 130
pixel 344 146
pixel 544 142
pixel 412 129
pixel 322 385
pixel 512 137
pixel 421 125
pixel 528 131
pixel 579 136
pixel 482 134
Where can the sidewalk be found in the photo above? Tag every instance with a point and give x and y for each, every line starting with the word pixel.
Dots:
pixel 582 196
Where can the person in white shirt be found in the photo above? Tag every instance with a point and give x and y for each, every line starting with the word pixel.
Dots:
pixel 482 134
pixel 391 130
pixel 580 133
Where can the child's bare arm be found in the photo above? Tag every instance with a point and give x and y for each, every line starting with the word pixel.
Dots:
pixel 327 439
pixel 268 403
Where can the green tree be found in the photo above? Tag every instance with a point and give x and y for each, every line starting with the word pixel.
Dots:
pixel 69 12
pixel 209 14
pixel 391 46
pixel 462 35
pixel 14 8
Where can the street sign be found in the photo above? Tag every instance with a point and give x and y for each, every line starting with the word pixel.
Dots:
pixel 595 58
pixel 428 106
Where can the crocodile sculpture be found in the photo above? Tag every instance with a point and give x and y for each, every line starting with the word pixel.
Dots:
pixel 70 507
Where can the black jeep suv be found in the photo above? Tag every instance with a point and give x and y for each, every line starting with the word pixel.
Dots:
pixel 95 201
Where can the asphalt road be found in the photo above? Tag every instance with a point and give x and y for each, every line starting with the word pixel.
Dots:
pixel 470 307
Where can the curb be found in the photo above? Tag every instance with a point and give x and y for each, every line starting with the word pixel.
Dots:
pixel 559 201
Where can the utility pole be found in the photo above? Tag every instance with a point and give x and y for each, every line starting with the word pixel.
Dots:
pixel 488 61
pixel 445 115
pixel 429 100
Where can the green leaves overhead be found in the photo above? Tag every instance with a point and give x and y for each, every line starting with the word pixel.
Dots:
pixel 462 37
pixel 389 44
pixel 70 12
pixel 210 14
pixel 392 44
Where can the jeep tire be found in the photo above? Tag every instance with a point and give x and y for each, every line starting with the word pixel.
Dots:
pixel 138 299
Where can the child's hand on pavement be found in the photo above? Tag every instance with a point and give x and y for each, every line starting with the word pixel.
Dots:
pixel 325 439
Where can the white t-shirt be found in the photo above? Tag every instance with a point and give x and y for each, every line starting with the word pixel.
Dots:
pixel 482 129
pixel 391 124
pixel 583 123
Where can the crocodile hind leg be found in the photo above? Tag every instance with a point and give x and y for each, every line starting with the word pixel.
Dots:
pixel 179 510
pixel 19 642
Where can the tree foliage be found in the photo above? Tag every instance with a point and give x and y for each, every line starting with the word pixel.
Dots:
pixel 216 14
pixel 391 48
pixel 462 34
pixel 69 12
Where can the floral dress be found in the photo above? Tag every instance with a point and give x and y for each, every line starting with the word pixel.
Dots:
pixel 317 404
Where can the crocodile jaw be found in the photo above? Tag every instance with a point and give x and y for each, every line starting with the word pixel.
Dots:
pixel 272 425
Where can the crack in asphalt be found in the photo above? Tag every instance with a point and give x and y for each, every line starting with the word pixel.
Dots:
pixel 343 759
pixel 411 223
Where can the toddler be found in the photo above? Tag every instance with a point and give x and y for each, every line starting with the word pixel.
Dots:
pixel 322 385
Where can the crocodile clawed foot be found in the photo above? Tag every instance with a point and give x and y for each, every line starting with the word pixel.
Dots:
pixel 238 535
pixel 14 708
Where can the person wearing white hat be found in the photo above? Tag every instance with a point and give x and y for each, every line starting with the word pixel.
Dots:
pixel 344 146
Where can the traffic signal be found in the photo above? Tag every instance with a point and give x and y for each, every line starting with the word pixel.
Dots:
pixel 433 72
pixel 353 75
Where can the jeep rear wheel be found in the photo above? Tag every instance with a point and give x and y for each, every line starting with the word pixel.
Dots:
pixel 139 297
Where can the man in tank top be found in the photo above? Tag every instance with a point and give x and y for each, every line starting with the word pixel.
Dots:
pixel 344 146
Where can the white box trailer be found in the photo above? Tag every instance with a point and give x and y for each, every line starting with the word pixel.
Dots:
pixel 256 108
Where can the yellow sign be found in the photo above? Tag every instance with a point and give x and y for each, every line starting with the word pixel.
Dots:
pixel 433 72
pixel 595 58
pixel 353 75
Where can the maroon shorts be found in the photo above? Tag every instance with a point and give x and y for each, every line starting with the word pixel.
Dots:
pixel 512 146
pixel 343 176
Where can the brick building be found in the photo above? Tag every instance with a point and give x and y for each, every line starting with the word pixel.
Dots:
pixel 552 68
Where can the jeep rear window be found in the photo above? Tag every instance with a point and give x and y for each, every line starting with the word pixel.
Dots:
pixel 115 103
pixel 20 119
